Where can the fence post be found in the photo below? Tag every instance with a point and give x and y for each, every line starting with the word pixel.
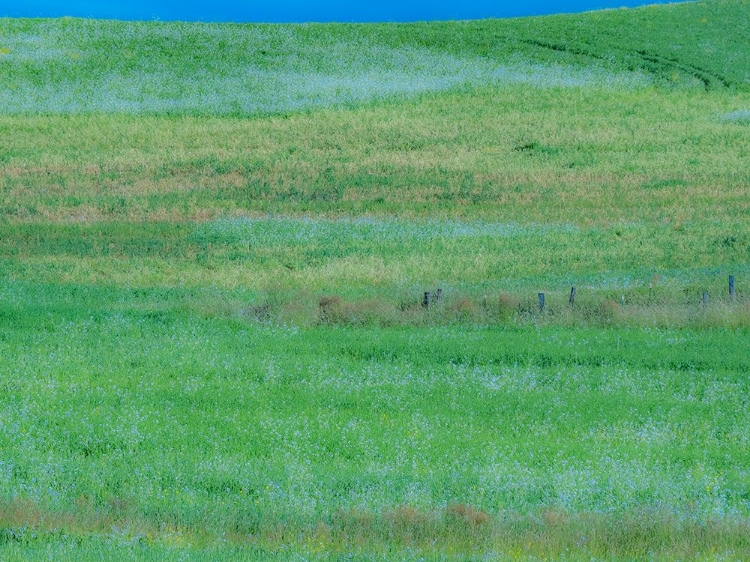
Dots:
pixel 541 302
pixel 572 299
pixel 732 294
pixel 438 296
pixel 704 300
pixel 426 301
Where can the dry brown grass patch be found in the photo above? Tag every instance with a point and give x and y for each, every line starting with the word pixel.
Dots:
pixel 467 516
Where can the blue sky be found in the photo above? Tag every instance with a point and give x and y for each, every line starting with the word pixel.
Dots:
pixel 300 10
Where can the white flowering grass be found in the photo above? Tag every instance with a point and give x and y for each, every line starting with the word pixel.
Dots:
pixel 280 231
pixel 162 430
pixel 122 68
pixel 174 390
pixel 741 116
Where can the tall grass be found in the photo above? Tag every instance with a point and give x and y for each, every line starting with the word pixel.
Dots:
pixel 84 66
pixel 511 154
pixel 214 245
pixel 120 414
pixel 281 269
pixel 299 77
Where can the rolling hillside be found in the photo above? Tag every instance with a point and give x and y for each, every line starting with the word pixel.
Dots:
pixel 215 243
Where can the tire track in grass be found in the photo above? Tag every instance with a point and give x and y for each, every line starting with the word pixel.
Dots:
pixel 652 62
pixel 707 77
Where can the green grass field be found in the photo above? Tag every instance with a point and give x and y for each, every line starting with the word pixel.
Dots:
pixel 214 246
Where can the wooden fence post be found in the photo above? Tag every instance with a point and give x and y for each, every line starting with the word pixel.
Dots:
pixel 541 302
pixel 732 294
pixel 426 301
pixel 704 299
pixel 572 299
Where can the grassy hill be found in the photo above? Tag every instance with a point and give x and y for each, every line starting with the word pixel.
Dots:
pixel 214 246
pixel 85 66
pixel 606 116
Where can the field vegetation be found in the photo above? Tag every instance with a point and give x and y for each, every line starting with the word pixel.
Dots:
pixel 215 242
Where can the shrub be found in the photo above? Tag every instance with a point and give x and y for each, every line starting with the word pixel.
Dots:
pixel 462 309
pixel 507 306
pixel 466 517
